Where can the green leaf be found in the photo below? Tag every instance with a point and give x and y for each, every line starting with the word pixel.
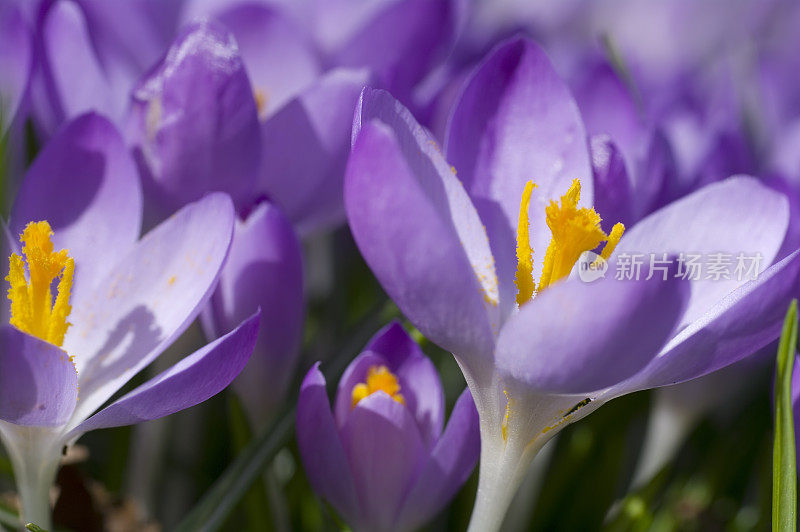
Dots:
pixel 255 501
pixel 34 528
pixel 784 471
pixel 235 482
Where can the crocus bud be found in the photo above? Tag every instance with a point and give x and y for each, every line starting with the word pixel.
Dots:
pixel 193 122
pixel 381 458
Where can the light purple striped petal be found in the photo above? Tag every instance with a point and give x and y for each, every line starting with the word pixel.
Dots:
pixel 151 295
pixel 578 338
pixel 196 378
pixel 418 231
pixel 739 324
pixel 732 217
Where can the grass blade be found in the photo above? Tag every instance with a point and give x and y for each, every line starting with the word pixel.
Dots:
pixel 784 471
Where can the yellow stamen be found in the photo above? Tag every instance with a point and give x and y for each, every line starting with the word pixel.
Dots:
pixel 379 379
pixel 524 280
pixel 574 230
pixel 613 240
pixel 32 307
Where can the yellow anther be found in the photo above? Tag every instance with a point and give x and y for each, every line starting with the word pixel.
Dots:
pixel 574 230
pixel 613 240
pixel 524 280
pixel 379 379
pixel 32 307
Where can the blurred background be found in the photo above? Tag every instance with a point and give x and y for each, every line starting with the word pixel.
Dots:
pixel 716 80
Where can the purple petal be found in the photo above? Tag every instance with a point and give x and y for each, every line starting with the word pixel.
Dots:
pixel 613 194
pixel 196 378
pixel 148 298
pixel 516 121
pixel 607 107
pixel 264 269
pixel 15 61
pixel 305 147
pixel 743 322
pixel 38 382
pixel 324 459
pixel 84 183
pixel 656 181
pixel 738 215
pixel 417 229
pixel 133 33
pixel 401 42
pixel 577 338
pixel 194 124
pixel 279 60
pixel 421 387
pixel 385 451
pixel 73 75
pixel 450 464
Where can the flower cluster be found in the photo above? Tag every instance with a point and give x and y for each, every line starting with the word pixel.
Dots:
pixel 567 198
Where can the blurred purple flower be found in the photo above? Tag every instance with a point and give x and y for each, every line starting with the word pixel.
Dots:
pixel 90 52
pixel 128 299
pixel 443 247
pixel 16 58
pixel 194 124
pixel 264 269
pixel 381 458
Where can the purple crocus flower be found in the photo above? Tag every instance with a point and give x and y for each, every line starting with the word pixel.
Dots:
pixel 110 45
pixel 443 247
pixel 264 269
pixel 119 302
pixel 381 458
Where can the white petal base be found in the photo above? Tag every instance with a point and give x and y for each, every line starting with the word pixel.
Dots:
pixel 35 454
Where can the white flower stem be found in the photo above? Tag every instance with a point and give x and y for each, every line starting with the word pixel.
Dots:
pixel 502 468
pixel 34 492
pixel 35 456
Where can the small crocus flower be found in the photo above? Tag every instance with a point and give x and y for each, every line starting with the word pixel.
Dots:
pixel 381 458
pixel 264 269
pixel 91 304
pixel 448 243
